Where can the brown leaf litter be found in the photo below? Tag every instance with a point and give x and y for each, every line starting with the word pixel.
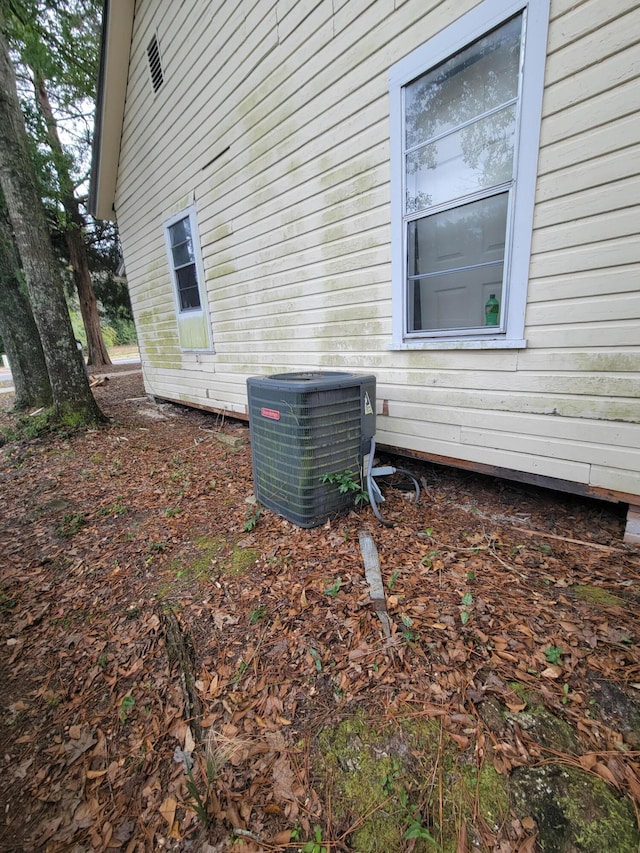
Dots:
pixel 495 593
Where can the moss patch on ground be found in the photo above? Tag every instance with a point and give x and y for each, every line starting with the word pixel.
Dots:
pixel 401 782
pixel 574 811
pixel 597 595
pixel 397 782
pixel 215 556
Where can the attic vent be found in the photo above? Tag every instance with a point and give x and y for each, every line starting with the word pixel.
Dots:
pixel 153 52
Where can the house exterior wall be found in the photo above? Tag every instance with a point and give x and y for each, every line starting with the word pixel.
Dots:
pixel 273 125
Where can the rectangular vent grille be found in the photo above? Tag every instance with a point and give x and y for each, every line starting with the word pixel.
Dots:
pixel 153 53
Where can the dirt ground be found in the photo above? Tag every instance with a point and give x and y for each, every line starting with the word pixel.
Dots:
pixel 156 625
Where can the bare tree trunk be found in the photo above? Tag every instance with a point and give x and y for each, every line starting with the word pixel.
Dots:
pixel 98 354
pixel 72 397
pixel 18 328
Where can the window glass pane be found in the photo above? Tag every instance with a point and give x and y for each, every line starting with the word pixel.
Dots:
pixel 181 243
pixel 188 287
pixel 183 253
pixel 475 158
pixel 455 262
pixel 180 231
pixel 477 79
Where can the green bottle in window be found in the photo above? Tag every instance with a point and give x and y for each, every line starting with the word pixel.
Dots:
pixel 491 311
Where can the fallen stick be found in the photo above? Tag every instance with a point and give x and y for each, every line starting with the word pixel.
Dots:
pixel 374 578
pixel 528 532
pixel 181 653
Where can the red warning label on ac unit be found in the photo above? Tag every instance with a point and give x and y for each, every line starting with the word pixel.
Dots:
pixel 273 414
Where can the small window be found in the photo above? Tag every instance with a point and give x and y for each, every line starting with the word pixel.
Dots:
pixel 155 66
pixel 184 257
pixel 464 152
pixel 187 275
pixel 184 265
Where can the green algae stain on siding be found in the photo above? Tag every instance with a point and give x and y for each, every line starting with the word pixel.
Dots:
pixel 162 350
pixel 193 331
pixel 160 347
pixel 222 268
pixel 341 185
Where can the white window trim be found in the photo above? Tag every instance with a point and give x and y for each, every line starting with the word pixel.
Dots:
pixel 471 26
pixel 203 310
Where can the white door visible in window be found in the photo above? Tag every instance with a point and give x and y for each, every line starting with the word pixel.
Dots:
pixel 462 174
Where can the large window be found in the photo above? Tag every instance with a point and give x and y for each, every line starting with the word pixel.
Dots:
pixel 465 126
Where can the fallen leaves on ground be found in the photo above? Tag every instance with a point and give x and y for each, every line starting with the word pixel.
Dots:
pixel 103 531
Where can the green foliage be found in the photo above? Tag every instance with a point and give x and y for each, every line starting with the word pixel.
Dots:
pixel 115 508
pixel 252 518
pixel 407 633
pixel 466 602
pixel 59 43
pixel 347 483
pixel 315 845
pixel 334 589
pixel 416 828
pixel 56 48
pixel 71 523
pixel 126 705
pixel 257 614
pixel 428 559
pixel 124 330
pixel 553 654
pixel 393 579
pixel 316 659
pixel 27 427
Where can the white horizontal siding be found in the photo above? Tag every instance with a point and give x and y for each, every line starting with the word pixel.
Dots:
pixel 294 225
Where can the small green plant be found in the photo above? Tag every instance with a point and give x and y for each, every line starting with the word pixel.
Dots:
pixel 407 633
pixel 466 601
pixel 200 802
pixel 334 589
pixel 243 666
pixel 257 614
pixel 428 559
pixel 393 579
pixel 116 508
pixel 252 518
pixel 416 828
pixel 315 845
pixel 316 659
pixel 565 694
pixel 172 511
pixel 126 705
pixel 553 654
pixel 390 777
pixel 71 524
pixel 346 482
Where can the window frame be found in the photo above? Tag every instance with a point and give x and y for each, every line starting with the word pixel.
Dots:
pixel 202 311
pixel 471 26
